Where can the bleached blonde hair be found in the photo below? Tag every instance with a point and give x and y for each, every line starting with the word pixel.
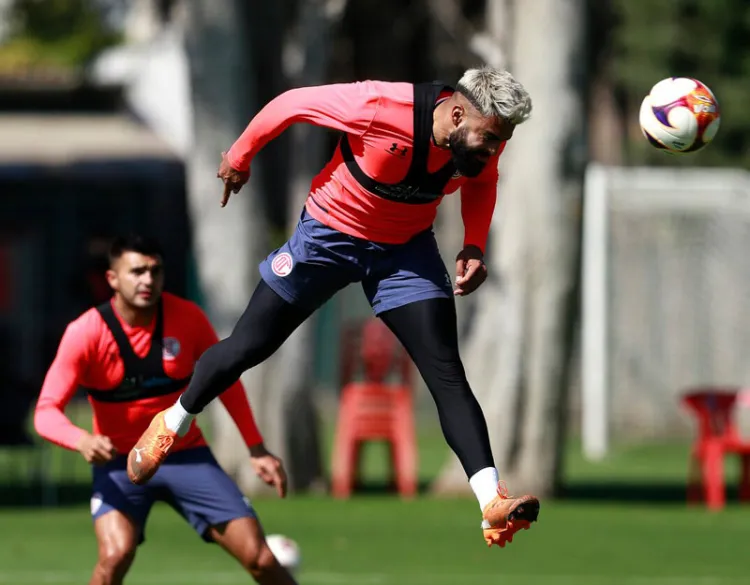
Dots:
pixel 494 92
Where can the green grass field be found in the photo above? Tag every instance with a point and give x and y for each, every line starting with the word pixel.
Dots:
pixel 595 538
pixel 374 541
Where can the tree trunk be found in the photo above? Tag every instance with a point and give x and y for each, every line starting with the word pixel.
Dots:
pixel 458 46
pixel 519 348
pixel 318 21
pixel 289 409
pixel 227 242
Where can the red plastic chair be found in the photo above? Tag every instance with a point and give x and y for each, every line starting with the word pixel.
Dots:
pixel 374 409
pixel 717 437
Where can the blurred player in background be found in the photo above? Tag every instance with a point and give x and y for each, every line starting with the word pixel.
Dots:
pixel 368 218
pixel 133 355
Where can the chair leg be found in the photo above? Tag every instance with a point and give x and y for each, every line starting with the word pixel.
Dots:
pixel 406 466
pixel 344 458
pixel 406 451
pixel 713 476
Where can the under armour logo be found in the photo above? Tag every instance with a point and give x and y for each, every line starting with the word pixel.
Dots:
pixel 138 458
pixel 398 150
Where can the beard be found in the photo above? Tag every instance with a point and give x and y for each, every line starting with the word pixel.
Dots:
pixel 465 159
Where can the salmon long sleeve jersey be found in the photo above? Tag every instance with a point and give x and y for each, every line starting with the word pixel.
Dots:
pixel 89 358
pixel 378 121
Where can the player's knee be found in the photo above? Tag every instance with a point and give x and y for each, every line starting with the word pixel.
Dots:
pixel 445 372
pixel 247 352
pixel 115 560
pixel 259 560
pixel 227 358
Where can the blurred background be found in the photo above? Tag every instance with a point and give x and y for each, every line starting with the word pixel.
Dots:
pixel 614 324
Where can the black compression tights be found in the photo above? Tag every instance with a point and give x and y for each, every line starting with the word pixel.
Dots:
pixel 427 329
pixel 266 323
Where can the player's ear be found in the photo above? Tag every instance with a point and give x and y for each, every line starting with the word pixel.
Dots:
pixel 458 113
pixel 112 279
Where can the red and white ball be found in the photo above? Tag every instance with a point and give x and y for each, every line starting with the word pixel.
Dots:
pixel 680 115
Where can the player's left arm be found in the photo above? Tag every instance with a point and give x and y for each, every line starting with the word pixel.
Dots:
pixel 344 107
pixel 478 199
pixel 266 465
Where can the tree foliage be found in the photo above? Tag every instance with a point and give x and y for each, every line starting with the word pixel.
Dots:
pixel 55 33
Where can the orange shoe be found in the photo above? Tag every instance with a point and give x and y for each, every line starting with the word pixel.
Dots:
pixel 507 515
pixel 150 451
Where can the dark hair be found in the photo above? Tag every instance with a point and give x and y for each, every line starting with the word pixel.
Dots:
pixel 134 243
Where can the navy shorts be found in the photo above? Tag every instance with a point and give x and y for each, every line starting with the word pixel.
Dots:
pixel 318 261
pixel 190 481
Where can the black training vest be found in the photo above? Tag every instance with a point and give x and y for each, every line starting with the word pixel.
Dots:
pixel 144 377
pixel 418 186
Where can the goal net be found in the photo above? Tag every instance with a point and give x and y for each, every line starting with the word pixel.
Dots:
pixel 666 295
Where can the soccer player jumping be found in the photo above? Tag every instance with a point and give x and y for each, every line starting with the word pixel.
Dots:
pixel 368 218
pixel 133 356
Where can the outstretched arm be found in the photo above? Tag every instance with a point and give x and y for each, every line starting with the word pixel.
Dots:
pixel 346 107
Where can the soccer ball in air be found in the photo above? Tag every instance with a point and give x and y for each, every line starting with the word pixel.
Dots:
pixel 680 115
pixel 285 550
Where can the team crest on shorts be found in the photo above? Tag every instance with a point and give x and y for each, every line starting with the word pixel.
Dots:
pixel 96 503
pixel 170 348
pixel 282 264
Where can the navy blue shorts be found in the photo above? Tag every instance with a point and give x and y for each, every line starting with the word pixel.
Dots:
pixel 191 481
pixel 318 261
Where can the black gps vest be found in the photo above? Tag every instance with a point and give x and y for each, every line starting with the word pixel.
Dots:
pixel 418 186
pixel 144 377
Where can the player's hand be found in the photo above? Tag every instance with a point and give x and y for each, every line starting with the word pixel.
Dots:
pixel 269 468
pixel 471 271
pixel 96 449
pixel 233 179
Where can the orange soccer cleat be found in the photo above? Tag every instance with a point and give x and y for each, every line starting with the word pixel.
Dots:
pixel 150 451
pixel 507 515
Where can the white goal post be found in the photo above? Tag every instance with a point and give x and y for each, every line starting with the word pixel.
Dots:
pixel 713 196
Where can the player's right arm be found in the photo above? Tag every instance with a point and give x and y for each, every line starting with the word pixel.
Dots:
pixel 60 385
pixel 346 107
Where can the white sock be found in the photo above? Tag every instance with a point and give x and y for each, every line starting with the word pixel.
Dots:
pixel 484 485
pixel 178 420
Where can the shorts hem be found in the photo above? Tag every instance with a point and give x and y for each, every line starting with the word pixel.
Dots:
pixel 280 290
pixel 398 302
pixel 202 529
pixel 113 508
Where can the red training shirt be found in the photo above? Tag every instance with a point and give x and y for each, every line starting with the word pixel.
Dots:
pixel 376 115
pixel 88 356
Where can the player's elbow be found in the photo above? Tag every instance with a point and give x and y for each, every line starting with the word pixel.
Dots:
pixel 41 419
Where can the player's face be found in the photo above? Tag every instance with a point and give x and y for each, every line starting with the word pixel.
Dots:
pixel 475 140
pixel 138 279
